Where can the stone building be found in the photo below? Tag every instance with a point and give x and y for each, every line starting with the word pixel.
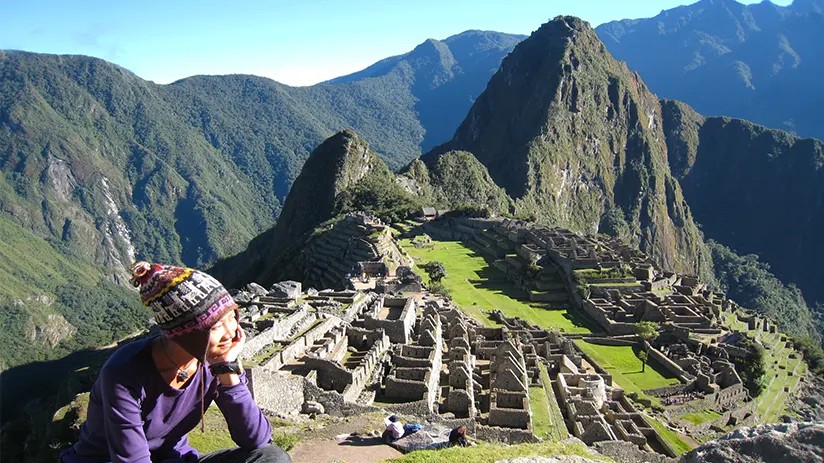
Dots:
pixel 596 411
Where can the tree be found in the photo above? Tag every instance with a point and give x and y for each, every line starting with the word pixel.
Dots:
pixel 643 356
pixel 753 368
pixel 436 271
pixel 647 331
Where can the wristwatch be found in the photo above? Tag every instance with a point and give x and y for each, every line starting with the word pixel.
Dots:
pixel 226 367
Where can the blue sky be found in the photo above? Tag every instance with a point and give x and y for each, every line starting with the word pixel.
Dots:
pixel 296 42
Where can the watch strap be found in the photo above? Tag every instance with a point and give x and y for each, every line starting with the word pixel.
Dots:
pixel 226 367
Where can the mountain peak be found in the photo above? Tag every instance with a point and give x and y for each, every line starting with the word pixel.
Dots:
pixel 576 138
pixel 338 163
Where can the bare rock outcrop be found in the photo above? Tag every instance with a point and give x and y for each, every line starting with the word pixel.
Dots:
pixel 787 443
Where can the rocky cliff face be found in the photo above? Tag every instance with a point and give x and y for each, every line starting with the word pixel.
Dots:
pixel 577 140
pixel 336 166
pixel 754 189
pixel 787 443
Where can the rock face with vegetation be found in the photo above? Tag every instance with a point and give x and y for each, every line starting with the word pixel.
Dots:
pixel 577 140
pixel 454 180
pixel 756 190
pixel 341 175
pixel 760 62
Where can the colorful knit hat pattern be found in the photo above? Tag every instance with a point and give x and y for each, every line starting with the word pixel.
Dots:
pixel 183 299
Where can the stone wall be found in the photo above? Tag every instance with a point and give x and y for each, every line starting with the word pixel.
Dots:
pixel 669 365
pixel 510 410
pixel 331 376
pixel 301 344
pixel 333 402
pixel 504 435
pixel 416 369
pixel 363 372
pixel 400 330
pixel 400 387
pixel 280 330
pixel 276 392
pixel 611 341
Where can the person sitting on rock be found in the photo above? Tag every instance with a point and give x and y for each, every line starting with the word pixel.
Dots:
pixel 394 429
pixel 457 437
pixel 151 392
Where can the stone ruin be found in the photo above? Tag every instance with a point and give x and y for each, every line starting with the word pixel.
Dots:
pixel 709 370
pixel 618 312
pixel 405 281
pixel 597 411
pixel 352 350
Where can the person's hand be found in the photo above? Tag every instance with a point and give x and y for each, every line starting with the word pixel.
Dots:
pixel 232 351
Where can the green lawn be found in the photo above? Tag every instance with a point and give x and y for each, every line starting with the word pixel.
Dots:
pixel 625 368
pixel 701 417
pixel 558 429
pixel 540 411
pixel 476 286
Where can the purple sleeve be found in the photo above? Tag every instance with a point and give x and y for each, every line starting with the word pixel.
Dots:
pixel 123 421
pixel 247 425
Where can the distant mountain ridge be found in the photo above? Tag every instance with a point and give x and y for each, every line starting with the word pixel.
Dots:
pixel 104 167
pixel 446 79
pixel 759 62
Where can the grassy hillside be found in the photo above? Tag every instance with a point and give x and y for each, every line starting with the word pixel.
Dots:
pixel 52 304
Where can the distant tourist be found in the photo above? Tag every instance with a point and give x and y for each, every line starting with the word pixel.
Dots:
pixel 457 437
pixel 394 429
pixel 150 393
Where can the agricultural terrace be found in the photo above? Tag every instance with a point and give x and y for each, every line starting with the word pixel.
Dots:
pixel 783 374
pixel 475 286
pixel 540 411
pixel 557 427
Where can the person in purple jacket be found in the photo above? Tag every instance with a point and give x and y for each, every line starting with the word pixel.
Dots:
pixel 150 393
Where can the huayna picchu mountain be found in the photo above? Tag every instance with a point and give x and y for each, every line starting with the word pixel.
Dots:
pixel 576 139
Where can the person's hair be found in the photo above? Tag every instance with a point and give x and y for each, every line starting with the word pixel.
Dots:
pixel 393 418
pixel 462 429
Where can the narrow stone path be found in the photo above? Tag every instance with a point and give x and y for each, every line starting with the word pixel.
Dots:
pixel 366 450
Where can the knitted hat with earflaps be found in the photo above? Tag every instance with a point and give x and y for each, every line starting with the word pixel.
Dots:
pixel 186 302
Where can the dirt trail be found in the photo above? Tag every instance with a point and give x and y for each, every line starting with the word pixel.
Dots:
pixel 352 450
